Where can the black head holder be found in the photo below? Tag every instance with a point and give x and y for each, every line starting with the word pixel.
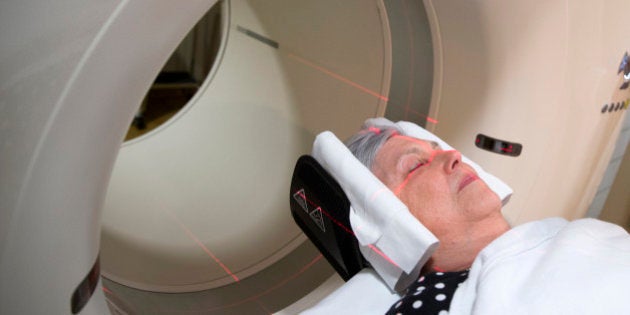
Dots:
pixel 321 209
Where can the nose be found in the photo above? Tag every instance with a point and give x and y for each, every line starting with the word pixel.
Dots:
pixel 449 160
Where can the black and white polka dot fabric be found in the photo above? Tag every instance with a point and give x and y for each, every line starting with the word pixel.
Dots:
pixel 431 294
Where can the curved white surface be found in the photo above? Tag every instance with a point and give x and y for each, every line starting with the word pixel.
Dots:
pixel 202 201
pixel 72 74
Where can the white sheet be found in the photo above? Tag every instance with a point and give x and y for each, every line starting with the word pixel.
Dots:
pixel 545 267
pixel 365 294
pixel 550 267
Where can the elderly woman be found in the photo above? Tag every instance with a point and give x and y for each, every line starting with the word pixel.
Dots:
pixel 534 268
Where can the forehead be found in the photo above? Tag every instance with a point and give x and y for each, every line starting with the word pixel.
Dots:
pixel 399 144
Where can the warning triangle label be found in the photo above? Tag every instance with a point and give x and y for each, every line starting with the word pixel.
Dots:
pixel 317 216
pixel 300 197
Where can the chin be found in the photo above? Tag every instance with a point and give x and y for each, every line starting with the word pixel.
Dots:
pixel 484 204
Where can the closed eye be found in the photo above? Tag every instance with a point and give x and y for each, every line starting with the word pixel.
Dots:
pixel 417 166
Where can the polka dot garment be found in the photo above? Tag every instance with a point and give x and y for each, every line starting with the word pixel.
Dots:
pixel 431 294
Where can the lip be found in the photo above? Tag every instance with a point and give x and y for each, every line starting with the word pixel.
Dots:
pixel 468 178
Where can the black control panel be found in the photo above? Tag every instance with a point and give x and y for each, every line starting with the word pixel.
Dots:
pixel 498 146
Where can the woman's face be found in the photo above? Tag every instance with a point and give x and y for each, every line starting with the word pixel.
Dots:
pixel 444 193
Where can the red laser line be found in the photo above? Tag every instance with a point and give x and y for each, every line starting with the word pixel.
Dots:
pixel 427 118
pixel 408 110
pixel 372 247
pixel 375 130
pixel 203 247
pixel 341 225
pixel 227 270
pixel 338 77
pixel 259 295
pixel 414 112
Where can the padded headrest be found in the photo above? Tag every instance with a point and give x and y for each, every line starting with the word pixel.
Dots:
pixel 320 207
pixel 395 243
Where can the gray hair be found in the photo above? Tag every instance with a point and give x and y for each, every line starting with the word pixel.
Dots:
pixel 365 144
